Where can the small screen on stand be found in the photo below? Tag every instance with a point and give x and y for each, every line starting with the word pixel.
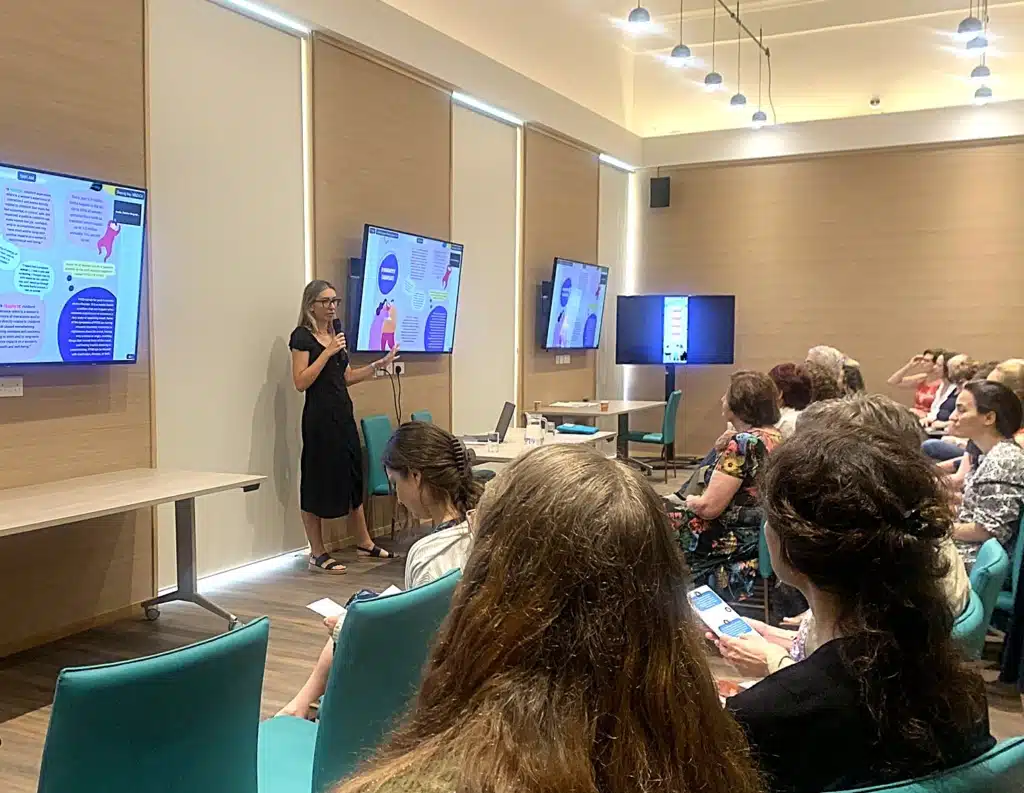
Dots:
pixel 675 329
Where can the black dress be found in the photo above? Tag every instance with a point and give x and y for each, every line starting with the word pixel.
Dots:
pixel 331 483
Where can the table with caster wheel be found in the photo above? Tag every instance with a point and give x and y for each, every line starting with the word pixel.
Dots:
pixel 71 501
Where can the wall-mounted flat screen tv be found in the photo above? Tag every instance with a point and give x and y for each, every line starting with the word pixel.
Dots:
pixel 410 292
pixel 71 254
pixel 577 306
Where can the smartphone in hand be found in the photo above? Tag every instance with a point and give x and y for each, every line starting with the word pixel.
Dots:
pixel 718 615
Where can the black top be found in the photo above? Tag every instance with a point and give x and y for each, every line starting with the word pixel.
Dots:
pixel 331 482
pixel 810 731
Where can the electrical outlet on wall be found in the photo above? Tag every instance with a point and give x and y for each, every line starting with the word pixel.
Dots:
pixel 399 367
pixel 12 387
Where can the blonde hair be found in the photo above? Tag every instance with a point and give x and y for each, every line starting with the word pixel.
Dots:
pixel 310 294
pixel 1011 374
pixel 829 358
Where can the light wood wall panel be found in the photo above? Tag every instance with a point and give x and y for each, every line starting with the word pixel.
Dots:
pixel 880 254
pixel 485 160
pixel 234 251
pixel 72 85
pixel 382 155
pixel 560 218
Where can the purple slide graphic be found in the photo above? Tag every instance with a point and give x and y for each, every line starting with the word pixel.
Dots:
pixel 85 329
pixel 387 275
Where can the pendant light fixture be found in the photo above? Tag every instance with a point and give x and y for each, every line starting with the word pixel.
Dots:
pixel 760 118
pixel 738 100
pixel 680 53
pixel 983 95
pixel 713 80
pixel 970 26
pixel 981 72
pixel 639 16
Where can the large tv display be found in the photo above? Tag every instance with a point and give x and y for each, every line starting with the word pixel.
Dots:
pixel 71 253
pixel 675 329
pixel 410 292
pixel 577 306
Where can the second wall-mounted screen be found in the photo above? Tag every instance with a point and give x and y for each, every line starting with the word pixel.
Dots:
pixel 577 306
pixel 410 292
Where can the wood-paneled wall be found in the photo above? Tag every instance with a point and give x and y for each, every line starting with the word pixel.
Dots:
pixel 560 218
pixel 72 85
pixel 381 155
pixel 880 254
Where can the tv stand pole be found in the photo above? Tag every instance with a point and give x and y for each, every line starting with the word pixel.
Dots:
pixel 670 386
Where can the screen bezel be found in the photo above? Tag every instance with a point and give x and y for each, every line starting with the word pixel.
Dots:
pixel 362 288
pixel 551 308
pixel 143 273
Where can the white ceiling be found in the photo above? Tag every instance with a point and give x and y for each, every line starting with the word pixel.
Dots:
pixel 829 57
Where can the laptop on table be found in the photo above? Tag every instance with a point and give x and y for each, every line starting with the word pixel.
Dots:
pixel 504 420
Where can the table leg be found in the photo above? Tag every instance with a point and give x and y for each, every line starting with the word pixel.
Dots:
pixel 622 439
pixel 188 583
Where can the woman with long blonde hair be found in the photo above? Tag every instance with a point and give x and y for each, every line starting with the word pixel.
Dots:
pixel 331 484
pixel 570 660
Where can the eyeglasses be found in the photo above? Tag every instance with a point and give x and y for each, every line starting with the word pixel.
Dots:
pixel 329 302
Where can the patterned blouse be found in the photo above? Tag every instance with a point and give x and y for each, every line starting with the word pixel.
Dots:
pixel 994 498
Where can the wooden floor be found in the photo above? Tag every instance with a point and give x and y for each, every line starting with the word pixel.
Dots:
pixel 296 637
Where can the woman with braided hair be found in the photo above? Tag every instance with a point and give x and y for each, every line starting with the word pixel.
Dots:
pixel 432 471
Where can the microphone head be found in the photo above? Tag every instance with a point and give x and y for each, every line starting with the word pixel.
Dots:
pixel 337 326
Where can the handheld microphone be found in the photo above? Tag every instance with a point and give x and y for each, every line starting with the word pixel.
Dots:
pixel 337 332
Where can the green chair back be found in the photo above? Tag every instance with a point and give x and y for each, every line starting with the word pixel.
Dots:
pixel 764 559
pixel 184 720
pixel 668 424
pixel 970 628
pixel 988 576
pixel 423 415
pixel 391 638
pixel 999 770
pixel 376 432
pixel 1018 557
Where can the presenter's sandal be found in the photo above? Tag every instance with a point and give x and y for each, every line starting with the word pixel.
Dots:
pixel 376 552
pixel 325 564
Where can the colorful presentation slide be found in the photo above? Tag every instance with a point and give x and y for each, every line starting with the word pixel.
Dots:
pixel 410 292
pixel 675 331
pixel 70 268
pixel 577 306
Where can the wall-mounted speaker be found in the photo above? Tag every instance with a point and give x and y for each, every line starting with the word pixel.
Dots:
pixel 661 189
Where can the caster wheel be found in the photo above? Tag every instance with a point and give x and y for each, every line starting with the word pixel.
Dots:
pixel 152 613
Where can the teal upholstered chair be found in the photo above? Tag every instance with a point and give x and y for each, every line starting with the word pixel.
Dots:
pixel 667 436
pixel 1007 598
pixel 990 571
pixel 387 636
pixel 376 432
pixel 765 569
pixel 970 627
pixel 423 415
pixel 184 720
pixel 999 770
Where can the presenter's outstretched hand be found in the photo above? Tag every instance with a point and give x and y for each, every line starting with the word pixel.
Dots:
pixel 337 345
pixel 389 357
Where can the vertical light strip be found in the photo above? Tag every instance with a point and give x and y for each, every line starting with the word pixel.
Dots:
pixel 632 259
pixel 519 261
pixel 307 154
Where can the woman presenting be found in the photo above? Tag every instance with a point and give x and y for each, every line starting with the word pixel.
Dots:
pixel 331 484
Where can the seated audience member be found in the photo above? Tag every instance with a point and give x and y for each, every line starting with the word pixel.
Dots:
pixel 1011 374
pixel 986 368
pixel 434 480
pixel 570 660
pixel 855 522
pixel 823 385
pixel 783 647
pixel 828 358
pixel 924 375
pixel 719 526
pixel 945 396
pixel 851 379
pixel 794 387
pixel 961 369
pixel 989 414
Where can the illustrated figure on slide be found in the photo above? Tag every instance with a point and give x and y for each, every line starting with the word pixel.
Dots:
pixel 447 275
pixel 105 244
pixel 389 326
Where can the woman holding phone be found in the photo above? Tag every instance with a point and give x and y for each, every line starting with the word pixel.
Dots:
pixel 331 484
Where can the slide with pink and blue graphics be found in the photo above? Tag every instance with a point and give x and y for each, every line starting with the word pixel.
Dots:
pixel 410 292
pixel 577 306
pixel 70 268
